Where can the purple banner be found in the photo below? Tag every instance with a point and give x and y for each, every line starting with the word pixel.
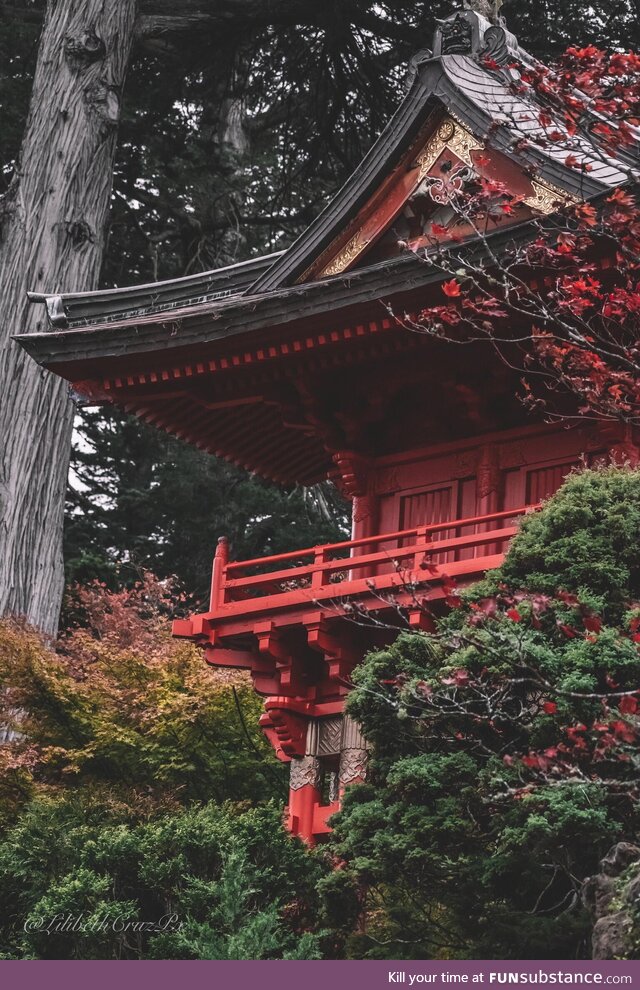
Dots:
pixel 327 975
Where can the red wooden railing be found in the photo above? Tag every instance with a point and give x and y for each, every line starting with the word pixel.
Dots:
pixel 341 569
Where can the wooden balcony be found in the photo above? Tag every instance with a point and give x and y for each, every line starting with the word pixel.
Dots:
pixel 300 622
pixel 369 573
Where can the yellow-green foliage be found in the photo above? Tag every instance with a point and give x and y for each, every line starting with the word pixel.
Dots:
pixel 120 707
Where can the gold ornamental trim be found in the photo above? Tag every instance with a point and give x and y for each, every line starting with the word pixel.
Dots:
pixel 450 135
pixel 546 197
pixel 348 254
pixel 453 136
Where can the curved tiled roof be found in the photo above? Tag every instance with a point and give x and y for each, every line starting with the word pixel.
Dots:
pixel 484 100
pixel 491 92
pixel 77 309
pixel 204 322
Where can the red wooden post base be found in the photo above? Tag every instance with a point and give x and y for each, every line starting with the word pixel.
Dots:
pixel 302 811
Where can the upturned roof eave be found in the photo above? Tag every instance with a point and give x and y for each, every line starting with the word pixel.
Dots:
pixel 207 324
pixel 434 91
pixel 103 305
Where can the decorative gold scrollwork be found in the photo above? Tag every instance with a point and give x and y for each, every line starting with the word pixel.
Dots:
pixel 348 254
pixel 449 135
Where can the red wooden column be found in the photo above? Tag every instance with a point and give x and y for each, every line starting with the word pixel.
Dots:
pixel 355 479
pixel 304 796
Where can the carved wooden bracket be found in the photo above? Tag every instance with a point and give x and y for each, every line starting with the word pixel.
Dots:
pixel 288 668
pixel 352 476
pixel 354 756
pixel 353 766
pixel 339 655
pixel 285 730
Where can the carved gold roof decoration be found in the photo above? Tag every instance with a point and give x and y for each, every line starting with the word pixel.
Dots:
pixel 347 256
pixel 450 135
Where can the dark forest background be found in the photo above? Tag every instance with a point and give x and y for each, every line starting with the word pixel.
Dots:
pixel 241 118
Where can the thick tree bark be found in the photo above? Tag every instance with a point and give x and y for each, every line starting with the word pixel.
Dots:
pixel 52 235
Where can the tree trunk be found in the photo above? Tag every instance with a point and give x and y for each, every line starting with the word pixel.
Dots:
pixel 52 235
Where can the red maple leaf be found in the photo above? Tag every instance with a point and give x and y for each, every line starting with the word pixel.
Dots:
pixel 532 761
pixel 628 705
pixel 451 289
pixel 569 631
pixel 623 731
pixel 593 623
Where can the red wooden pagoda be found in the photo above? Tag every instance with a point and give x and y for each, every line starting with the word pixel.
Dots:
pixel 293 366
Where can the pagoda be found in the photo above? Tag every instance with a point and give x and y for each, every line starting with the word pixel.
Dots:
pixel 296 366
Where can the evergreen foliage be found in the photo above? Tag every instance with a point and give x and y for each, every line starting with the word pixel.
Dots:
pixel 85 880
pixel 141 500
pixel 583 541
pixel 505 745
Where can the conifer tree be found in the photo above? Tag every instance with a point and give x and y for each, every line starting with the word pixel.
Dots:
pixel 506 747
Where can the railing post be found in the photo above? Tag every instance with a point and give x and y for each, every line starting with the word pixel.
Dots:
pixel 422 534
pixel 317 577
pixel 218 574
